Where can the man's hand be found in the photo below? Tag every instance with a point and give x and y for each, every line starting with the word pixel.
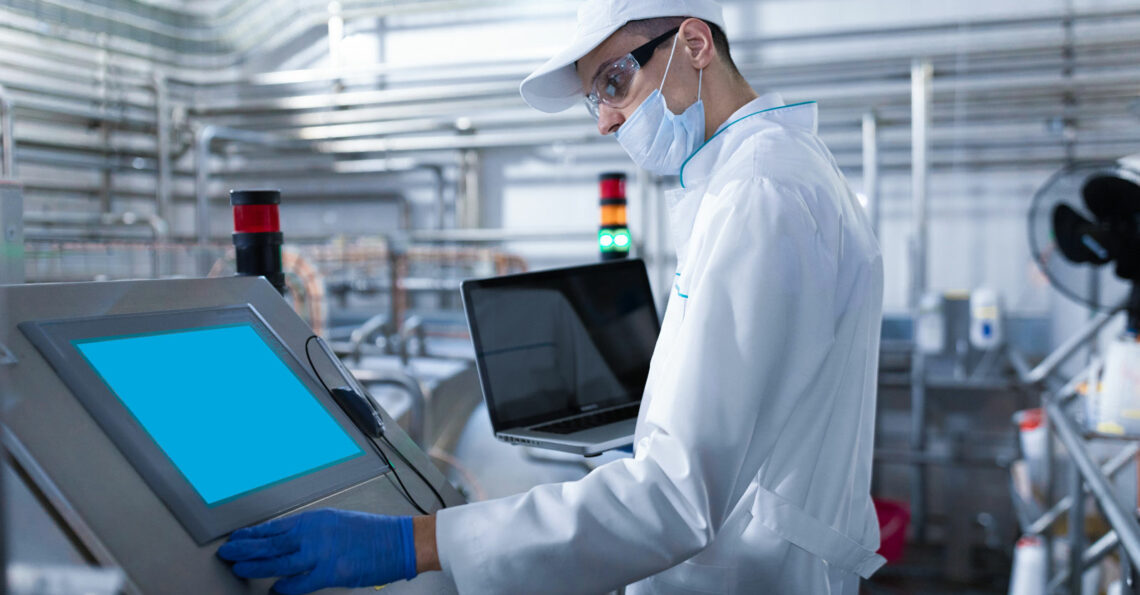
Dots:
pixel 326 548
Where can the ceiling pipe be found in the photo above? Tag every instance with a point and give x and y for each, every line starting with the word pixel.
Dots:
pixel 7 138
pixel 211 71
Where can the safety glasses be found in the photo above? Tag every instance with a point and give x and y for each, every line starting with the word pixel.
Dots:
pixel 612 82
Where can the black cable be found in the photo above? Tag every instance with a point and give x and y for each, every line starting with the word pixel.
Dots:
pixel 309 356
pixel 407 494
pixel 372 442
pixel 442 504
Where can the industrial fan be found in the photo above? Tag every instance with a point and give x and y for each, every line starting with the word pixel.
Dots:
pixel 1086 217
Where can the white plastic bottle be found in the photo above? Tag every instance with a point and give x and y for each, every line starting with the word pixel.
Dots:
pixel 1028 576
pixel 985 319
pixel 1119 398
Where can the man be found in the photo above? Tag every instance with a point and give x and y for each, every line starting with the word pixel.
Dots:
pixel 752 460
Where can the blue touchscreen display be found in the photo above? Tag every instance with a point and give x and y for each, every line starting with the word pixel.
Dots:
pixel 222 405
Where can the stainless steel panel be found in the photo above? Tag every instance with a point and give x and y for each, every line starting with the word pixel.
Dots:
pixel 98 482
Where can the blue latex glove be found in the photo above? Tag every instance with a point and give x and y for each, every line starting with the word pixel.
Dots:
pixel 325 548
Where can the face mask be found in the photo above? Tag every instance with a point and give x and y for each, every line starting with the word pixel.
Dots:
pixel 658 140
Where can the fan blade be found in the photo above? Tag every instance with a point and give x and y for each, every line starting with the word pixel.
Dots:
pixel 1115 201
pixel 1077 237
pixel 1111 198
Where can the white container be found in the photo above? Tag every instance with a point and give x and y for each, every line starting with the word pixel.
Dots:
pixel 1033 435
pixel 1028 575
pixel 985 319
pixel 1117 404
pixel 930 328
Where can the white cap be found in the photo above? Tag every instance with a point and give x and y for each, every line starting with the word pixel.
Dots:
pixel 555 85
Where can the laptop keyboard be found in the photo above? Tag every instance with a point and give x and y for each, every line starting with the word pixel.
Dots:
pixel 592 420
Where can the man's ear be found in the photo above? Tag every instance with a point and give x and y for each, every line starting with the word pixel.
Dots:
pixel 698 43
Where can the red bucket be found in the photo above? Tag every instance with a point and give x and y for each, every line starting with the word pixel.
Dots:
pixel 894 518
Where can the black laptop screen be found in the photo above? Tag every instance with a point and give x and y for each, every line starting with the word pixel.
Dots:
pixel 561 342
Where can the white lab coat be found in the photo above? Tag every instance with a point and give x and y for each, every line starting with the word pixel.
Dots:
pixel 753 446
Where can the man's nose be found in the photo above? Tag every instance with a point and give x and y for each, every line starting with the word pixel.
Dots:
pixel 609 119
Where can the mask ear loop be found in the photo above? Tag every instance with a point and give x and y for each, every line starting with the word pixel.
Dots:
pixel 670 62
pixel 700 73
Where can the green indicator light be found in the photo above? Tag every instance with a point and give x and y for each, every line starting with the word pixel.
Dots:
pixel 622 239
pixel 606 240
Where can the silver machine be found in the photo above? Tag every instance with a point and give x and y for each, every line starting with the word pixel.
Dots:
pixel 94 509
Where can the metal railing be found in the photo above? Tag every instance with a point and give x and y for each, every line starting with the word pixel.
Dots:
pixel 1086 477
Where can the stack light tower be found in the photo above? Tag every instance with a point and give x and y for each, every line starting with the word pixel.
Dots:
pixel 614 240
pixel 257 235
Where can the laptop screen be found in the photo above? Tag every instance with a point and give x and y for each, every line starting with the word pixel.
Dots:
pixel 556 343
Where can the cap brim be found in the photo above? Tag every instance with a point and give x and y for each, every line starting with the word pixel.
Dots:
pixel 555 86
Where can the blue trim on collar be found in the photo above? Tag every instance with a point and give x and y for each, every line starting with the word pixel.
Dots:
pixel 771 109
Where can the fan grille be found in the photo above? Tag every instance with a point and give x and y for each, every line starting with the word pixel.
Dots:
pixel 1096 287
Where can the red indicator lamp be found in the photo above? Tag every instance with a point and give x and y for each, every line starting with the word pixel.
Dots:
pixel 256 218
pixel 257 235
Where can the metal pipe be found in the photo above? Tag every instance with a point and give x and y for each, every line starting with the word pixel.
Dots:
pixel 487 236
pixel 365 332
pixel 7 141
pixel 440 188
pixel 647 250
pixel 156 224
pixel 254 29
pixel 203 137
pixel 163 199
pixel 1110 469
pixel 918 444
pixel 1050 492
pixel 768 73
pixel 957 26
pixel 1121 80
pixel 160 231
pixel 1076 529
pixel 922 74
pixel 538 140
pixel 1069 347
pixel 871 168
pixel 470 194
pixel 1045 84
pixel 275 23
pixel 163 193
pixel 1121 520
pixel 1019 110
pixel 1092 556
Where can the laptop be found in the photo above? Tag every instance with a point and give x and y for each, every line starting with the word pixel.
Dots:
pixel 563 354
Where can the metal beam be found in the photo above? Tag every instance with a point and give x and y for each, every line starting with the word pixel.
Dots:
pixel 871 168
pixel 1123 521
pixel 7 138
